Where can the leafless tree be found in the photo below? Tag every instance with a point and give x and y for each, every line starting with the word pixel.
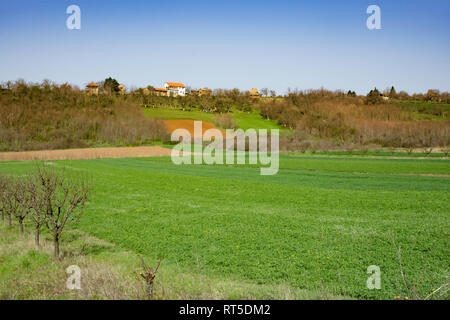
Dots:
pixel 21 200
pixel 64 198
pixel 38 203
pixel 149 275
pixel 4 182
pixel 10 205
pixel 265 92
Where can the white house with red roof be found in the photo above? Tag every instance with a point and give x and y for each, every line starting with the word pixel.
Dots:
pixel 175 89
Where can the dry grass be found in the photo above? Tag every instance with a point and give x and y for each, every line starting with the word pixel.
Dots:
pixel 109 272
pixel 94 153
pixel 99 279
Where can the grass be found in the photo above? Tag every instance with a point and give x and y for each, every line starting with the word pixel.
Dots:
pixel 310 231
pixel 244 120
pixel 383 152
pixel 426 110
pixel 109 272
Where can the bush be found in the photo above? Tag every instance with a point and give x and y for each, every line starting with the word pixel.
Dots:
pixel 225 121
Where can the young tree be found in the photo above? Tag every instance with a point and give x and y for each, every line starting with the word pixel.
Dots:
pixel 64 199
pixel 392 93
pixel 38 203
pixel 22 201
pixel 4 185
pixel 10 203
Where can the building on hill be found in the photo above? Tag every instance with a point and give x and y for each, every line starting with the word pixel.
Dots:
pixel 121 89
pixel 175 89
pixel 254 93
pixel 205 92
pixel 92 89
pixel 160 92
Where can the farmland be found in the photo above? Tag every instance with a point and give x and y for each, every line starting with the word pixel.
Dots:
pixel 244 120
pixel 312 229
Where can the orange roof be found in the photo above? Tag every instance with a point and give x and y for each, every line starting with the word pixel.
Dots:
pixel 160 89
pixel 175 84
pixel 92 84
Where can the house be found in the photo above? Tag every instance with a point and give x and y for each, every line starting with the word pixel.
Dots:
pixel 175 89
pixel 121 89
pixel 92 89
pixel 160 92
pixel 205 92
pixel 254 93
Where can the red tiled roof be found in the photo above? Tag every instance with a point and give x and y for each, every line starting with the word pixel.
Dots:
pixel 175 84
pixel 92 84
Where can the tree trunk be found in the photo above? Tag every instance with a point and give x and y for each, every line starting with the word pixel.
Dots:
pixel 21 226
pixel 36 236
pixel 150 289
pixel 9 220
pixel 56 248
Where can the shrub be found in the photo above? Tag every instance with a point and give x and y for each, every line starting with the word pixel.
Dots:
pixel 225 121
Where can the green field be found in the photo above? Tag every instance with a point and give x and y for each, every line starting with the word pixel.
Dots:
pixel 315 226
pixel 426 110
pixel 244 120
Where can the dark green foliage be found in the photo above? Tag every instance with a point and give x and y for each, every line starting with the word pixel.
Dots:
pixel 392 93
pixel 374 97
pixel 111 85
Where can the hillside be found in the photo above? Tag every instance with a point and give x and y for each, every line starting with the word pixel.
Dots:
pixel 50 116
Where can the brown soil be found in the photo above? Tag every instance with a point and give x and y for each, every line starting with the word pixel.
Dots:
pixel 92 153
pixel 188 125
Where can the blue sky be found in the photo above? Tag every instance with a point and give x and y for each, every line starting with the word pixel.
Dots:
pixel 226 44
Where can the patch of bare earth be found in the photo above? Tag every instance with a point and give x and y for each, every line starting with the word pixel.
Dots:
pixel 188 125
pixel 92 153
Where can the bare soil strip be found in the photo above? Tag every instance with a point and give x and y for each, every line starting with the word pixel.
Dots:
pixel 91 153
pixel 172 125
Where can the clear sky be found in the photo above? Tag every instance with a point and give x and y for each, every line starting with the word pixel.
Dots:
pixel 226 44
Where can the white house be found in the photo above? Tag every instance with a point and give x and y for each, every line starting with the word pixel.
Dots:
pixel 175 89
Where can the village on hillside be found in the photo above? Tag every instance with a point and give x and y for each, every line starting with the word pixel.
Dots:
pixel 170 89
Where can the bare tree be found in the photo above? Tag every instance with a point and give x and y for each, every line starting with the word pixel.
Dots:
pixel 10 205
pixel 64 199
pixel 149 275
pixel 38 203
pixel 21 200
pixel 3 191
